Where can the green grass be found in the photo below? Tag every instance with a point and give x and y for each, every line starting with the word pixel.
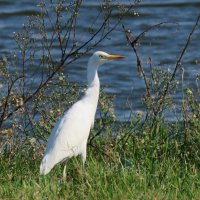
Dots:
pixel 99 181
pixel 143 170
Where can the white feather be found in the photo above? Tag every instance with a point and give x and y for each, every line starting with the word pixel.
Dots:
pixel 66 140
pixel 70 134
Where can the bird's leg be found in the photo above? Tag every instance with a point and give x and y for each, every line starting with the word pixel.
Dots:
pixel 83 157
pixel 64 171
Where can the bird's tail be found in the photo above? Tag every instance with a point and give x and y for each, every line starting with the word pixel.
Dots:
pixel 45 168
pixel 49 161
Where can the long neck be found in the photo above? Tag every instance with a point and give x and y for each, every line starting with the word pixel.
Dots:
pixel 92 93
pixel 92 76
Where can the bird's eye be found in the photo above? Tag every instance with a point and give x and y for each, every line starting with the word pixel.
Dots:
pixel 100 56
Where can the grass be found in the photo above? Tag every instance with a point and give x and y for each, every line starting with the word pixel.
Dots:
pixel 148 159
pixel 145 168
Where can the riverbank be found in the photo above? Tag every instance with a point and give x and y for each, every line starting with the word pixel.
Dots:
pixel 148 167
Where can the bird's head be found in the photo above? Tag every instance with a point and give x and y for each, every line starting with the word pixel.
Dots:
pixel 100 57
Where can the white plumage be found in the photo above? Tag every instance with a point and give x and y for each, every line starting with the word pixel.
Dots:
pixel 70 134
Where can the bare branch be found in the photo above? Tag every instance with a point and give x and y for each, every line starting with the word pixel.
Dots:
pixel 42 85
pixel 4 114
pixel 73 54
pixel 178 63
pixel 139 63
pixel 133 41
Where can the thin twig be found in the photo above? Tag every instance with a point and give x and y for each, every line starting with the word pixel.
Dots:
pixel 69 55
pixel 42 85
pixel 4 115
pixel 178 64
pixel 148 29
pixel 133 41
pixel 139 64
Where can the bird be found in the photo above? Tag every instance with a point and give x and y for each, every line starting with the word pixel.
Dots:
pixel 70 134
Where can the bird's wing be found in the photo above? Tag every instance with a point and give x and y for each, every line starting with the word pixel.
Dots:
pixel 68 134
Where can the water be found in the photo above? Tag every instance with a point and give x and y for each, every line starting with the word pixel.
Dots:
pixel 121 78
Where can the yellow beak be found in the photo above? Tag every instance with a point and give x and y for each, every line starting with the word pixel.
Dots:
pixel 114 57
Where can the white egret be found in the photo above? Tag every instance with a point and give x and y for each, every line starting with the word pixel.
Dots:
pixel 70 134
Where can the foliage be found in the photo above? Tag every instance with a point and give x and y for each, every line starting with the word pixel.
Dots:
pixel 147 166
pixel 46 46
pixel 144 157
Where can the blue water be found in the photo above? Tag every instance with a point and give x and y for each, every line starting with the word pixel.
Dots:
pixel 121 78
